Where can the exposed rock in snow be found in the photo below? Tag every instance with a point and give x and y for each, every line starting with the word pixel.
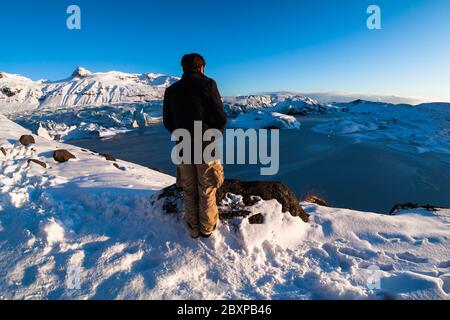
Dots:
pixel 41 163
pixel 408 206
pixel 62 156
pixel 108 227
pixel 18 93
pixel 235 197
pixel 81 72
pixel 26 139
pixel 264 120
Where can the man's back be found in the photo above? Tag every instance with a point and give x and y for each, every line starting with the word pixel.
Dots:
pixel 194 98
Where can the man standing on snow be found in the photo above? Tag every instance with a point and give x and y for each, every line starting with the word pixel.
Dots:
pixel 196 98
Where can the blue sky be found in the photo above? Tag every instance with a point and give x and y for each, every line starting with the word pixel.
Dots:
pixel 250 46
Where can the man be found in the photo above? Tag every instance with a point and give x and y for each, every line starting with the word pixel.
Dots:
pixel 196 98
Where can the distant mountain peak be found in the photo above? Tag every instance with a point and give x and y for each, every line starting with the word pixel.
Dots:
pixel 81 72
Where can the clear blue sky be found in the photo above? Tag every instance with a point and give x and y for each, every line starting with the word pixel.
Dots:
pixel 250 46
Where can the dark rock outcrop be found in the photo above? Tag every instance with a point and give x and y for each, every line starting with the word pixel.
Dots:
pixel 317 200
pixel 26 140
pixel 62 156
pixel 173 197
pixel 10 92
pixel 266 191
pixel 42 164
pixel 256 219
pixel 410 205
pixel 249 190
pixel 2 150
pixel 108 157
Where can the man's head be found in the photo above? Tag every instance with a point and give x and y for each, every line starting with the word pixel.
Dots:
pixel 193 62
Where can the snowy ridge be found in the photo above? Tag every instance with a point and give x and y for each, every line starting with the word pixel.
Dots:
pixel 81 89
pixel 286 103
pixel 105 222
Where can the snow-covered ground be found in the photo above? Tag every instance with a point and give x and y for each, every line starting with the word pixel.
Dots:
pixel 88 229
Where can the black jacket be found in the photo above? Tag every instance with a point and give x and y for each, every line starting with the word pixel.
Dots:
pixel 193 98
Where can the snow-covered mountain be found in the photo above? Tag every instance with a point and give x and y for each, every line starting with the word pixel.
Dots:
pixel 286 103
pixel 82 88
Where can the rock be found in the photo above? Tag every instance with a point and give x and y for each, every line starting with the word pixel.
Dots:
pixel 62 156
pixel 256 219
pixel 2 150
pixel 2 75
pixel 410 205
pixel 248 190
pixel 232 205
pixel 315 199
pixel 230 214
pixel 266 191
pixel 81 72
pixel 173 197
pixel 10 92
pixel 26 140
pixel 123 168
pixel 108 157
pixel 42 164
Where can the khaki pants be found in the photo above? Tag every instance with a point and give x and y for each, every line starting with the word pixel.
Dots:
pixel 200 183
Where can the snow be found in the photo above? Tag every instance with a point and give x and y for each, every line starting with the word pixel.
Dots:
pixel 85 229
pixel 83 88
pixel 263 120
pixel 420 129
pixel 65 124
pixel 18 93
pixel 103 104
pixel 292 104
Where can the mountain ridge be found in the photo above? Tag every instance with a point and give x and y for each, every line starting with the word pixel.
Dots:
pixel 82 88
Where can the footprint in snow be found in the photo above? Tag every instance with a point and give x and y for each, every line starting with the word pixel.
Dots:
pixel 444 264
pixel 364 254
pixel 411 257
pixel 340 260
pixel 396 237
